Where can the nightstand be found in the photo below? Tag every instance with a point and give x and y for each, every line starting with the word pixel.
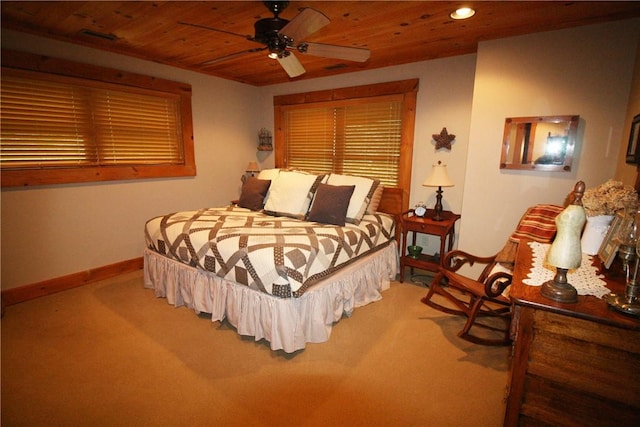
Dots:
pixel 444 229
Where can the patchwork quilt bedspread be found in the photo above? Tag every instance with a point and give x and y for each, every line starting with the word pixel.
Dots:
pixel 277 255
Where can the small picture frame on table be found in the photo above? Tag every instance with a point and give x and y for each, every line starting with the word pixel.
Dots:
pixel 633 148
pixel 609 247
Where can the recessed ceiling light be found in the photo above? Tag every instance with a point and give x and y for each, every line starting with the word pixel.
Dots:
pixel 463 13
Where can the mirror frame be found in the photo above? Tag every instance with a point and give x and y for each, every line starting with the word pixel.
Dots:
pixel 633 148
pixel 572 131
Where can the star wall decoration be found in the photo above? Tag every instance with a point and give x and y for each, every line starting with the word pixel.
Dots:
pixel 444 139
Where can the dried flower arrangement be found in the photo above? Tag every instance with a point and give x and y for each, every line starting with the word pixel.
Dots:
pixel 608 198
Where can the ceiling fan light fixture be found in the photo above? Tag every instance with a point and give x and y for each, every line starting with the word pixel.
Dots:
pixel 462 13
pixel 282 37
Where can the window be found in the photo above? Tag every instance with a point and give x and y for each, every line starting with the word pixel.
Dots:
pixel 365 131
pixel 59 128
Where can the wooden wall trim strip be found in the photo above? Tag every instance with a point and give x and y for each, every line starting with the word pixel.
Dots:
pixel 349 93
pixel 51 286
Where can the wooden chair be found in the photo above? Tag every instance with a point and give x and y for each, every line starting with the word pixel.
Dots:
pixel 483 300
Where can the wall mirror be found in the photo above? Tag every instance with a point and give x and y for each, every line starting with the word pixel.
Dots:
pixel 539 143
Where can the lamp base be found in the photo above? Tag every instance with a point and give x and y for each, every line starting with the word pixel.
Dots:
pixel 623 304
pixel 438 207
pixel 559 289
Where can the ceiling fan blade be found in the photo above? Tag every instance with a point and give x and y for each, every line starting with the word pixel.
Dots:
pixel 305 23
pixel 291 65
pixel 204 27
pixel 233 55
pixel 338 52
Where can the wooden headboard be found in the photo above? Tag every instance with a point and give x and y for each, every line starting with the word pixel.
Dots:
pixel 393 203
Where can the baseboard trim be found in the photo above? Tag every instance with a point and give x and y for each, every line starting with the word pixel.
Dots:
pixel 51 286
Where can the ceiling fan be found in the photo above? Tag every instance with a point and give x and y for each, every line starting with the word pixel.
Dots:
pixel 282 38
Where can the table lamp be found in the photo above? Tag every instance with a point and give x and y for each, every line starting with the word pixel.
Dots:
pixel 438 178
pixel 252 169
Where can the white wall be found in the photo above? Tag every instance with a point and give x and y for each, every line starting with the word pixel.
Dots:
pixel 52 231
pixel 48 232
pixel 585 71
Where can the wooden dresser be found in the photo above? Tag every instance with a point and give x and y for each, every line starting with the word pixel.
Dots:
pixel 572 364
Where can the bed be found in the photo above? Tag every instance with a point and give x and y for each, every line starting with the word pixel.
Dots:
pixel 295 254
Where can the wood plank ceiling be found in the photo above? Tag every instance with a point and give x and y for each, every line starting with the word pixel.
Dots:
pixel 396 32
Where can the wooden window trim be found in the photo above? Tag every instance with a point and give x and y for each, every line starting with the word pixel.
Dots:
pixel 61 67
pixel 408 89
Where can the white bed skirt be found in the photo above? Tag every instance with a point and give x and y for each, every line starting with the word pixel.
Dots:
pixel 288 324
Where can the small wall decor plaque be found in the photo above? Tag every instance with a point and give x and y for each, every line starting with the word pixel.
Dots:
pixel 443 139
pixel 264 140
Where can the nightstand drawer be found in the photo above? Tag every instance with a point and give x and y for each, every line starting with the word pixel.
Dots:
pixel 423 227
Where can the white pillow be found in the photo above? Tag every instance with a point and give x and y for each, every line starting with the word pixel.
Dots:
pixel 290 194
pixel 365 187
pixel 270 174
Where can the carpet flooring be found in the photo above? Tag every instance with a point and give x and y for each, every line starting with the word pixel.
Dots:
pixel 112 354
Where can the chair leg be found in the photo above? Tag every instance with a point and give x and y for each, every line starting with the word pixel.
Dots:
pixel 436 288
pixel 472 310
pixel 475 307
pixel 502 313
pixel 432 288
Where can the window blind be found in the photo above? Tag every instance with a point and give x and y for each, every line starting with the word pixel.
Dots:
pixel 46 123
pixel 357 138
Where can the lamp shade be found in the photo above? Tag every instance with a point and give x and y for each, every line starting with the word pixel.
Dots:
pixel 253 167
pixel 438 177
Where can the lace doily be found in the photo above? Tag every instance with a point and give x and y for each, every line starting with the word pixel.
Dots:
pixel 585 278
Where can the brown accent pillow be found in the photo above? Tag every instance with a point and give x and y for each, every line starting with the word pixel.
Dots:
pixel 375 200
pixel 253 192
pixel 330 204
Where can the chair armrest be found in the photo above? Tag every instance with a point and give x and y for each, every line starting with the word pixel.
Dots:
pixel 455 259
pixel 497 283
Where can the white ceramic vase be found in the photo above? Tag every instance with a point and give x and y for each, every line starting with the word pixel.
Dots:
pixel 594 233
